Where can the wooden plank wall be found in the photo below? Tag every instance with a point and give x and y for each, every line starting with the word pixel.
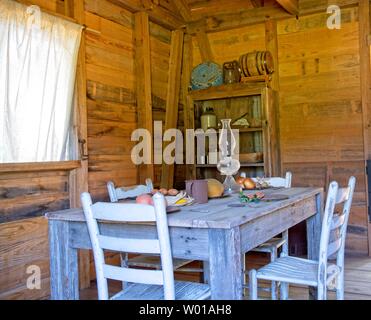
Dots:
pixel 112 116
pixel 111 99
pixel 320 102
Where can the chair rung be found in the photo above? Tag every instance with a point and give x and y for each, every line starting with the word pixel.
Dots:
pixel 266 289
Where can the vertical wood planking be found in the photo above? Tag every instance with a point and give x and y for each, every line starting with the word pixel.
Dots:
pixel 143 85
pixel 271 44
pixel 225 263
pixel 69 8
pixel 188 106
pixel 172 99
pixel 79 177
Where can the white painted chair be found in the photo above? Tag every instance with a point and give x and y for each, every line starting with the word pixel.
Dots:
pixel 273 245
pixel 321 273
pixel 142 284
pixel 143 261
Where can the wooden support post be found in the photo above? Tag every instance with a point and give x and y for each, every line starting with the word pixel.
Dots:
pixel 69 8
pixel 365 70
pixel 271 44
pixel 144 87
pixel 172 99
pixel 63 263
pixel 204 46
pixel 186 100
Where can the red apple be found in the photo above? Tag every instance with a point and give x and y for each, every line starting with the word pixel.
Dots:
pixel 144 199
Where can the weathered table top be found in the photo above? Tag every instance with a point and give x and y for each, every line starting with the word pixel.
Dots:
pixel 216 213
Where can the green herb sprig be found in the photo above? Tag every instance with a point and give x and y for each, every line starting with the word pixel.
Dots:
pixel 256 197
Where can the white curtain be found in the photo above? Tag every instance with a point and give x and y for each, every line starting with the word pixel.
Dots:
pixel 38 57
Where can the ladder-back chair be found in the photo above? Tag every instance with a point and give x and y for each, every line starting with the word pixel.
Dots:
pixel 273 245
pixel 141 283
pixel 321 274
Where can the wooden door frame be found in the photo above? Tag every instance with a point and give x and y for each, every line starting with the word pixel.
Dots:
pixel 78 181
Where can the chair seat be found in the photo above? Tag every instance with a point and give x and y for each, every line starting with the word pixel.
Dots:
pixel 143 261
pixel 294 270
pixel 183 291
pixel 270 245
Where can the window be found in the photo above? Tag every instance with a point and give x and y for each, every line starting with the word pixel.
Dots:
pixel 38 57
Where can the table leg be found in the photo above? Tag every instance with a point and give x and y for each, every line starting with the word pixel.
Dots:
pixel 206 273
pixel 313 238
pixel 64 278
pixel 225 264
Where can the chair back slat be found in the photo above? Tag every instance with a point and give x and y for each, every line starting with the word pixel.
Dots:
pixel 119 212
pixel 133 275
pixel 120 193
pixel 337 221
pixel 129 245
pixel 333 247
pixel 116 212
pixel 342 195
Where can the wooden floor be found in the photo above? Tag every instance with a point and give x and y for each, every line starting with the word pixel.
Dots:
pixel 357 280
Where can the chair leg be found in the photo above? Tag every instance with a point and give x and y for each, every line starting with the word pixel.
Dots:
pixel 253 285
pixel 340 286
pixel 124 258
pixel 274 283
pixel 285 246
pixel 322 292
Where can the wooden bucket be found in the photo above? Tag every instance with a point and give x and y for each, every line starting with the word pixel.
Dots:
pixel 256 63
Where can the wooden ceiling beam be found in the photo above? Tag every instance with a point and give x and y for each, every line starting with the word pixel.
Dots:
pixel 316 6
pixel 227 21
pixel 155 11
pixel 242 18
pixel 183 9
pixel 257 3
pixel 291 6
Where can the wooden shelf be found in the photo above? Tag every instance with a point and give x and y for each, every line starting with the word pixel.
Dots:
pixel 248 129
pixel 225 91
pixel 256 164
pixel 234 128
pixel 255 100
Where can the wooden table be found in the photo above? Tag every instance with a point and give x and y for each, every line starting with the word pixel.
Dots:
pixel 214 233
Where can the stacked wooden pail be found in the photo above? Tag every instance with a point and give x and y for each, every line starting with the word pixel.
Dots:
pixel 256 63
